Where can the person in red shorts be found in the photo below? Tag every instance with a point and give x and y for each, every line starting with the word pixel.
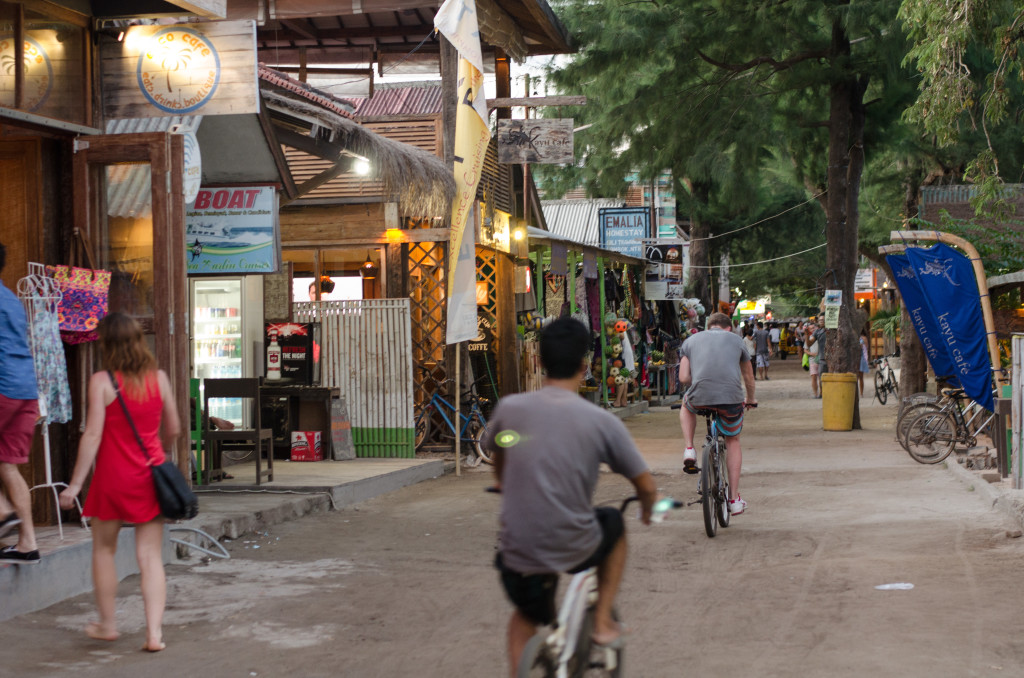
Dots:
pixel 122 486
pixel 18 413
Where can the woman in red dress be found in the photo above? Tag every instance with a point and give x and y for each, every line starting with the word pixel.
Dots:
pixel 122 485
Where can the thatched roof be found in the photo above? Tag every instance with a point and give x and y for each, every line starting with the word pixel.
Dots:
pixel 418 181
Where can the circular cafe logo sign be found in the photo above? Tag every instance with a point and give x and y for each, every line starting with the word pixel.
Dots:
pixel 179 70
pixel 38 74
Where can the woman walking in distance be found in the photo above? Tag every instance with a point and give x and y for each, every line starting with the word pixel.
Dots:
pixel 122 486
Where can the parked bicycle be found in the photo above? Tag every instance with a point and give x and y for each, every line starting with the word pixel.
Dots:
pixel 472 422
pixel 933 434
pixel 885 379
pixel 566 649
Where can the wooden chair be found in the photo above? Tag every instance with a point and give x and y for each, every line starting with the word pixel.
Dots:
pixel 256 435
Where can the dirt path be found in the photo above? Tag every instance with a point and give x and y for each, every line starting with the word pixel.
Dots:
pixel 402 586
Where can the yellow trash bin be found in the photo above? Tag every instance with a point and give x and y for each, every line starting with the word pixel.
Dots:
pixel 838 390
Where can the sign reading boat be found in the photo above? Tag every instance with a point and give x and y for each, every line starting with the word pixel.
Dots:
pixel 233 230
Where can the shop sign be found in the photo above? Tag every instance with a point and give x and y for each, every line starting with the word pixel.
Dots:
pixel 623 228
pixel 864 284
pixel 495 229
pixel 38 73
pixel 668 261
pixel 233 230
pixel 542 140
pixel 204 68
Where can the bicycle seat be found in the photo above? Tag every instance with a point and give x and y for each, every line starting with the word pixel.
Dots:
pixel 952 392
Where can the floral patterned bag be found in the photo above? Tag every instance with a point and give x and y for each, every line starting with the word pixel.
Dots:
pixel 84 302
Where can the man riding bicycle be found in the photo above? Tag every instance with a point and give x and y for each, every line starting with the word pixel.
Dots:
pixel 717 366
pixel 548 446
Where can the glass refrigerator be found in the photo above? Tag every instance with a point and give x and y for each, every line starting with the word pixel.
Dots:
pixel 227 331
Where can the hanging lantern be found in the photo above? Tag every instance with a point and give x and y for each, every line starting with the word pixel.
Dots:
pixel 368 270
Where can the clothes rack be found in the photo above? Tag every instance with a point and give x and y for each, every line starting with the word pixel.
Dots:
pixel 40 294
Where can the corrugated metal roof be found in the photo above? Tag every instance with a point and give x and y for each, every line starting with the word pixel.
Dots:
pixel 128 185
pixel 407 100
pixel 576 220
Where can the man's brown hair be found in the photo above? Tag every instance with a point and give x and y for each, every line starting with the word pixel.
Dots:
pixel 720 320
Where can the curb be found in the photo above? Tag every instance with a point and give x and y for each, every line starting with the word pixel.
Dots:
pixel 999 498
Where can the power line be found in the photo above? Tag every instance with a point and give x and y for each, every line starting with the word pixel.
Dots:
pixel 774 216
pixel 765 261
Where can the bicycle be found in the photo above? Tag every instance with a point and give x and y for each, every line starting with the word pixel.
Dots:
pixel 713 485
pixel 932 435
pixel 472 424
pixel 885 379
pixel 566 649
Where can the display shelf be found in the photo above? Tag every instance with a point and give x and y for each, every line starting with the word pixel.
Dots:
pixel 207 337
pixel 217 360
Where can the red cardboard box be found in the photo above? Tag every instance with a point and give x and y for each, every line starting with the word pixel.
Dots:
pixel 306 446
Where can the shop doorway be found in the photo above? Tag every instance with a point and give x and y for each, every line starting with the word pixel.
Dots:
pixel 130 208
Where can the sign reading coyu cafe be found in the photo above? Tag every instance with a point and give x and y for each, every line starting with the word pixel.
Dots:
pixel 207 69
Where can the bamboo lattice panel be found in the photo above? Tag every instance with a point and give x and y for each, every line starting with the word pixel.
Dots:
pixel 365 352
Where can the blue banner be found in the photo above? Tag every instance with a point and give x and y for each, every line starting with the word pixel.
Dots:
pixel 921 317
pixel 947 279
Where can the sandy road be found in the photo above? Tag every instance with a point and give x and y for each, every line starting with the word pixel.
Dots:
pixel 402 586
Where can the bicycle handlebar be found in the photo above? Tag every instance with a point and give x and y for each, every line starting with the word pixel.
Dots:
pixel 494 489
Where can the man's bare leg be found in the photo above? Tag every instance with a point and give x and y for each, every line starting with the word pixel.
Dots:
pixel 733 462
pixel 688 422
pixel 520 630
pixel 609 576
pixel 17 490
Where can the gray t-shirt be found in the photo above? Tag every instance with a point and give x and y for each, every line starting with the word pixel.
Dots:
pixel 715 377
pixel 554 442
pixel 761 340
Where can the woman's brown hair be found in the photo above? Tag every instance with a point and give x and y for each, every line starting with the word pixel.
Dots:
pixel 123 349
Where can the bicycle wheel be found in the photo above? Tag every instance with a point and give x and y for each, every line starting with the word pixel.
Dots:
pixel 707 490
pixel 895 383
pixel 475 430
pixel 931 437
pixel 579 662
pixel 536 662
pixel 722 486
pixel 880 390
pixel 422 428
pixel 909 414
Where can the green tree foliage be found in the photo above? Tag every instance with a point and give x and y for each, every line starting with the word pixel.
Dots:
pixel 717 90
pixel 970 60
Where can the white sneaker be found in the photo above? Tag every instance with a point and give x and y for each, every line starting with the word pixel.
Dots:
pixel 737 506
pixel 690 461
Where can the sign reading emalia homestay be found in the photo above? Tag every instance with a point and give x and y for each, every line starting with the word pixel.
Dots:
pixel 622 229
pixel 232 230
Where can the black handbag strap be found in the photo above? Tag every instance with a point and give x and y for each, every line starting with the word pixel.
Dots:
pixel 127 416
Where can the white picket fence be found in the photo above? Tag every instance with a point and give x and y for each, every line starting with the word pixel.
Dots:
pixel 366 351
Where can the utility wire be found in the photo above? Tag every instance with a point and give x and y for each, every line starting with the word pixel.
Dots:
pixel 774 216
pixel 765 261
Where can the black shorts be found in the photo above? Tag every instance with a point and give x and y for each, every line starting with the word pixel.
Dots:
pixel 534 594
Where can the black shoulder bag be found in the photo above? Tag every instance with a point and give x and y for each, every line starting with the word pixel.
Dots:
pixel 177 501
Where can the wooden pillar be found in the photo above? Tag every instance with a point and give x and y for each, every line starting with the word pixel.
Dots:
pixel 538 276
pixel 502 82
pixel 508 351
pixel 600 328
pixel 572 282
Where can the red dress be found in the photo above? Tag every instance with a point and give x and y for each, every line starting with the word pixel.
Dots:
pixel 122 484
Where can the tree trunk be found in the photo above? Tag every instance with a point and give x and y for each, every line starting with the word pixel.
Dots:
pixel 845 166
pixel 700 253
